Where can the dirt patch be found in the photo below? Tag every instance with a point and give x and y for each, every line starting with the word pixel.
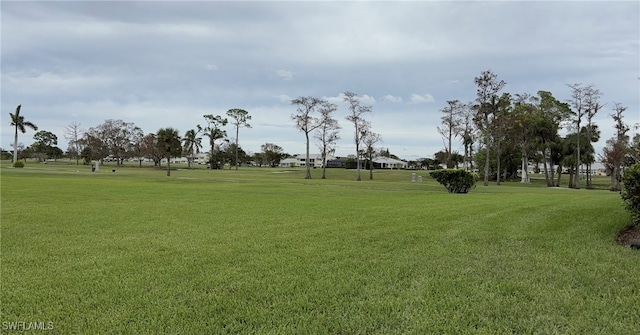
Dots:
pixel 630 237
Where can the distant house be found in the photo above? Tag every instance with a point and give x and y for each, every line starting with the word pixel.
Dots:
pixel 290 162
pixel 338 162
pixel 388 163
pixel 315 160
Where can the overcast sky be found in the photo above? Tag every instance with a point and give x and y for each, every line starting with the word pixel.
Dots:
pixel 167 63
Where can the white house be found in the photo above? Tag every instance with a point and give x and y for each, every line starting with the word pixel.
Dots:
pixel 389 163
pixel 315 160
pixel 289 162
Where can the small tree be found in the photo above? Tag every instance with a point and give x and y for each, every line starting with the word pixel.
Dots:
pixel 631 191
pixel 369 139
pixel 487 106
pixel 356 116
pixel 73 134
pixel 45 142
pixel 169 145
pixel 214 132
pixel 328 133
pixel 451 121
pixel 192 144
pixel 617 149
pixel 20 124
pixel 240 118
pixel 271 154
pixel 306 122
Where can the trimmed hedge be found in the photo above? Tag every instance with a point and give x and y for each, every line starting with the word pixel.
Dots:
pixel 631 191
pixel 18 164
pixel 455 180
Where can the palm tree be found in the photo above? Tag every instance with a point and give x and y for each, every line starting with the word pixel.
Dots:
pixel 214 132
pixel 18 121
pixel 169 144
pixel 192 143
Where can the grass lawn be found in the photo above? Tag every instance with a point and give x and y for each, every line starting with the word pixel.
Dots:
pixel 263 251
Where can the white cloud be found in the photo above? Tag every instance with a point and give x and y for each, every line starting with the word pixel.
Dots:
pixel 211 67
pixel 392 98
pixel 339 99
pixel 420 99
pixel 283 98
pixel 367 100
pixel 285 75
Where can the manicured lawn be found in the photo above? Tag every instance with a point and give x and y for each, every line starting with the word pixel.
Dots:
pixel 264 251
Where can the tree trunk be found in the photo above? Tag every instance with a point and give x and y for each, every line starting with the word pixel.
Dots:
pixel 308 175
pixel 498 172
pixel 15 147
pixel 466 162
pixel 552 177
pixel 572 178
pixel 237 133
pixel 168 165
pixel 324 163
pixel 358 162
pixel 559 174
pixel 525 168
pixel 486 167
pixel 546 170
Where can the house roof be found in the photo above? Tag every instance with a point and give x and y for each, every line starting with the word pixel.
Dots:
pixel 388 160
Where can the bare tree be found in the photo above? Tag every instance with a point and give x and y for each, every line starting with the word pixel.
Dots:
pixel 579 108
pixel 369 139
pixel 73 133
pixel 306 122
pixel 356 112
pixel 617 148
pixel 486 109
pixel 466 131
pixel 592 106
pixel 451 121
pixel 500 125
pixel 149 148
pixel 328 133
pixel 240 119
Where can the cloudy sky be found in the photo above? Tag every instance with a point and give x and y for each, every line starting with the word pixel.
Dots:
pixel 167 63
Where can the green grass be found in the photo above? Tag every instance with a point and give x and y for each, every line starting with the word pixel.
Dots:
pixel 264 251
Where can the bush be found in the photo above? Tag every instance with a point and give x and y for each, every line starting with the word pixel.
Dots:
pixel 455 180
pixel 18 164
pixel 631 191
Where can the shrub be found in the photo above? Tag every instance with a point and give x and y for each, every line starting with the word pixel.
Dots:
pixel 631 191
pixel 455 180
pixel 18 164
pixel 351 163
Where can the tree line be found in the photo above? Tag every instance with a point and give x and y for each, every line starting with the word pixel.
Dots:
pixel 501 133
pixel 510 131
pixel 119 140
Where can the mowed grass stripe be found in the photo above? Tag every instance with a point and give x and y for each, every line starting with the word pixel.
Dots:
pixel 263 252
